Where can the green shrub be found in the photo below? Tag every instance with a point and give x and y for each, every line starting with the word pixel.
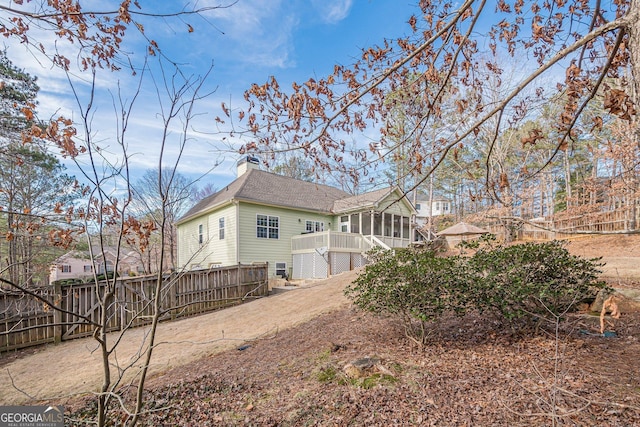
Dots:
pixel 532 281
pixel 520 284
pixel 110 275
pixel 415 285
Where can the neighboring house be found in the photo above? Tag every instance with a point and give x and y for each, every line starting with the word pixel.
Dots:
pixel 439 206
pixel 77 264
pixel 302 229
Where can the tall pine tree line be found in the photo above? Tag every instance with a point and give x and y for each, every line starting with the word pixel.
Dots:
pixel 32 183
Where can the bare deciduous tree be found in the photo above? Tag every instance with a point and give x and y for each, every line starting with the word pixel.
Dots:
pixel 574 48
pixel 88 43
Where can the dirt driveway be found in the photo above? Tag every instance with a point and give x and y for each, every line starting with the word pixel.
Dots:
pixel 74 367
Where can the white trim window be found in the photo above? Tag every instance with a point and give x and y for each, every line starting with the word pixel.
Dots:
pixel 221 228
pixel 200 234
pixel 65 268
pixel 344 224
pixel 267 227
pixel 281 270
pixel 314 226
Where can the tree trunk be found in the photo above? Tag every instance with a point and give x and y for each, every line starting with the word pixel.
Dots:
pixel 593 195
pixel 634 47
pixel 567 177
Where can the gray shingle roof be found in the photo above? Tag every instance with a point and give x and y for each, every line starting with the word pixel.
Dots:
pixel 268 188
pixel 360 201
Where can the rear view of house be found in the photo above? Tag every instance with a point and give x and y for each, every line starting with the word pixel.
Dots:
pixel 302 229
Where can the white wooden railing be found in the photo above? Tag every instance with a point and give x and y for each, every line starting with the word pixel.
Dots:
pixel 374 241
pixel 330 240
pixel 335 241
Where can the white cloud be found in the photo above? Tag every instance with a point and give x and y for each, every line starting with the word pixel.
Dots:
pixel 247 40
pixel 332 11
pixel 255 33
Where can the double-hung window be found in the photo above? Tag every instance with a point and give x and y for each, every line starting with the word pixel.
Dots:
pixel 314 226
pixel 200 234
pixel 267 227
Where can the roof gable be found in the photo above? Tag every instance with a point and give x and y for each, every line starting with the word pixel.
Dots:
pixel 361 200
pixel 371 199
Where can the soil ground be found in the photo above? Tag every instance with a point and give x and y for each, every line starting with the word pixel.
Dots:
pixel 280 360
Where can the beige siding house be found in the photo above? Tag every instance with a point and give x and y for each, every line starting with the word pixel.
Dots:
pixel 79 265
pixel 302 229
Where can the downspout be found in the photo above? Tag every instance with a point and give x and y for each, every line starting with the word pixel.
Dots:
pixel 237 204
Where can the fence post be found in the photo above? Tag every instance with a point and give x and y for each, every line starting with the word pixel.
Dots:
pixel 239 282
pixel 57 314
pixel 261 275
pixel 120 298
pixel 172 296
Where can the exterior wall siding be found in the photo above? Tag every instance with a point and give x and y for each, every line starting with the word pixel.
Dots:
pixel 390 205
pixel 222 251
pixel 190 252
pixel 291 223
pixel 213 250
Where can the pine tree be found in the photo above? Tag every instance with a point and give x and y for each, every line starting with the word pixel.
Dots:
pixel 18 92
pixel 32 183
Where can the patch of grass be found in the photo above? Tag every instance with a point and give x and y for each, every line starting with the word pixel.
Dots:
pixel 374 380
pixel 327 374
pixel 331 374
pixel 397 368
pixel 324 355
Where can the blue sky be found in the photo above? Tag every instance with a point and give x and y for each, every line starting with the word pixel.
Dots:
pixel 247 42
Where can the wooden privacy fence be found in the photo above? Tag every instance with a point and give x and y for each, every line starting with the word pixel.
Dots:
pixel 616 221
pixel 26 321
pixel 597 222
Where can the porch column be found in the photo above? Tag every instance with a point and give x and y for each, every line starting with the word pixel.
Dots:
pixel 393 226
pixel 372 221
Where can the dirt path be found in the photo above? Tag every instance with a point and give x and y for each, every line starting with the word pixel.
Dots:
pixel 621 268
pixel 74 367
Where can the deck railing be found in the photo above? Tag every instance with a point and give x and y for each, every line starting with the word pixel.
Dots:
pixel 335 241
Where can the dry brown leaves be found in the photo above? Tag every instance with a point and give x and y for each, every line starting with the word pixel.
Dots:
pixel 473 373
